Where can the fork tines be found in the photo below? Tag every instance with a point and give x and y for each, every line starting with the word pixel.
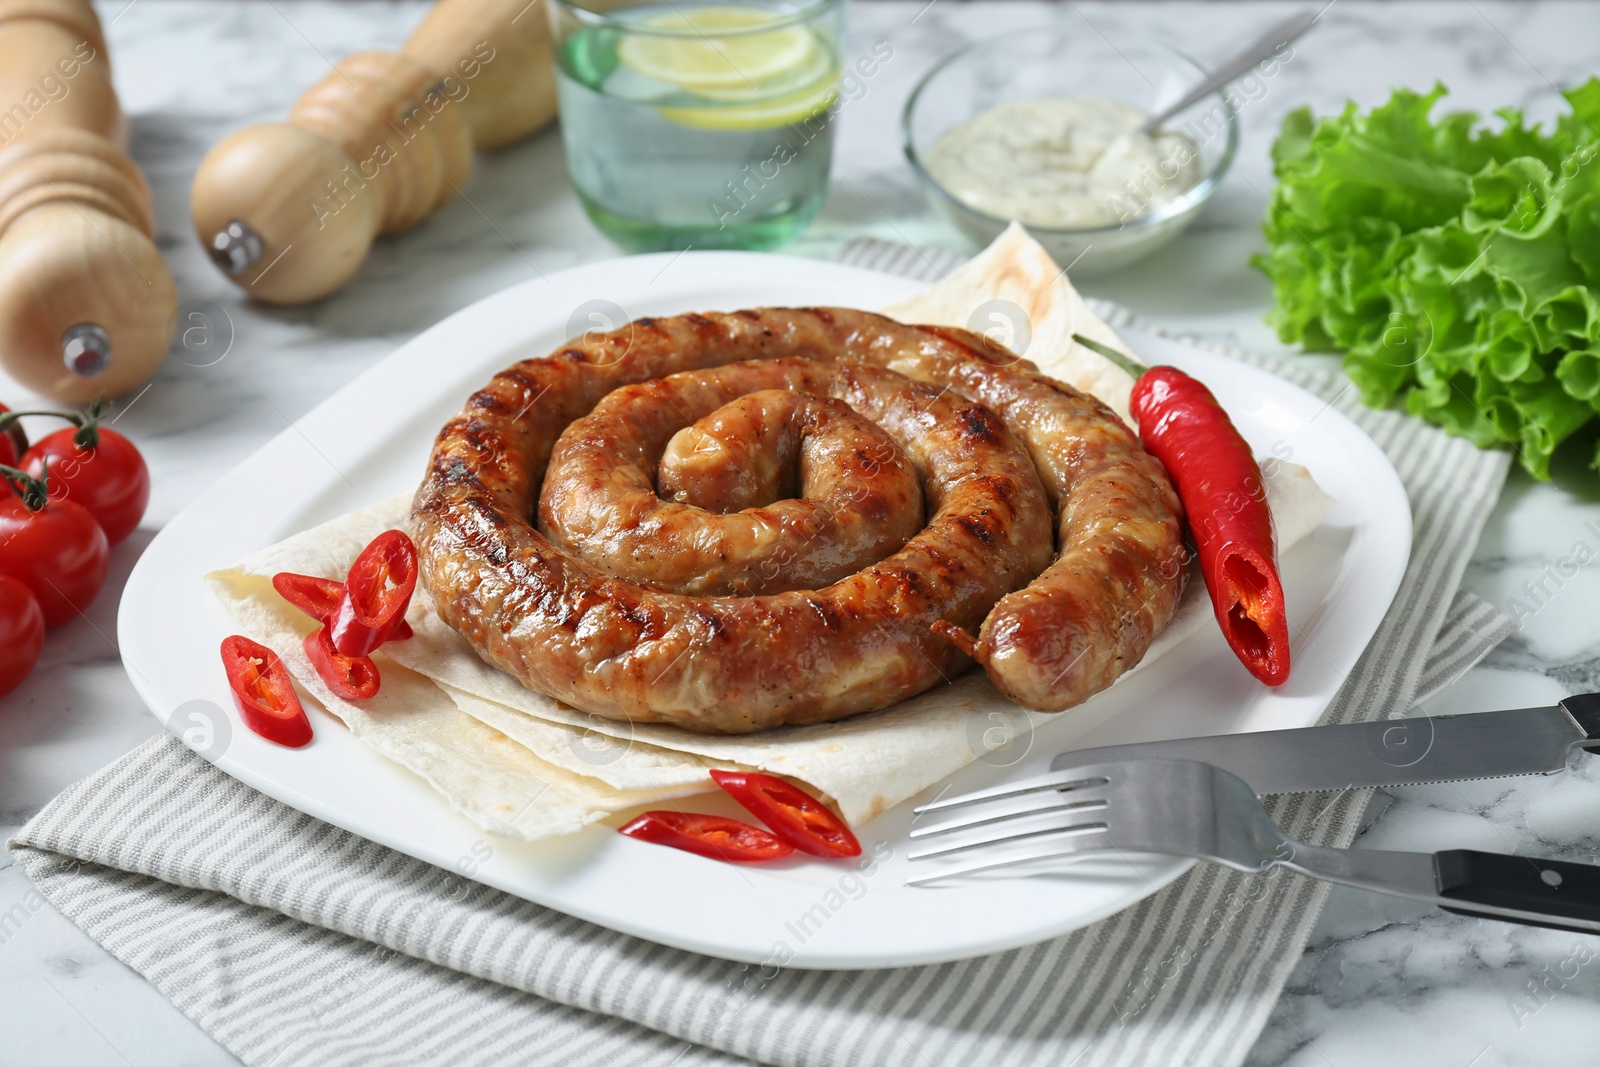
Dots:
pixel 1054 780
pixel 1044 812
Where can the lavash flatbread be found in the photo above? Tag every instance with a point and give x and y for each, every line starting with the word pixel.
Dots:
pixel 1014 289
pixel 499 784
pixel 518 763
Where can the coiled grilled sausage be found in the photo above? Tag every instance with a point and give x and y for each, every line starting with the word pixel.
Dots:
pixel 995 443
pixel 862 499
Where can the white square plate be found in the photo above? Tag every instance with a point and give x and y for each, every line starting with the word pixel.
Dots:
pixel 370 440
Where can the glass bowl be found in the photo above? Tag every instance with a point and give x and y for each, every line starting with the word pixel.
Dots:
pixel 1054 61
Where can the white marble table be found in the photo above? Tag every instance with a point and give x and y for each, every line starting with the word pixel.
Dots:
pixel 1381 983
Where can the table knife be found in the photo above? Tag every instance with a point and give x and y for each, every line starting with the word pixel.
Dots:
pixel 1409 751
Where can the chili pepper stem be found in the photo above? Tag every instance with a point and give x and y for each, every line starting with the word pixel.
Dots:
pixel 1126 362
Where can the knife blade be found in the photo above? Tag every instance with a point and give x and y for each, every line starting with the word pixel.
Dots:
pixel 1438 748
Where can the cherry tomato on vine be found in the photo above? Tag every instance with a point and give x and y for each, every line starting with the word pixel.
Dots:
pixel 21 632
pixel 95 467
pixel 13 443
pixel 54 547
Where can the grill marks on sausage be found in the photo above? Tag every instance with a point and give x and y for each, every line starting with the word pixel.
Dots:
pixel 692 483
pixel 611 647
pixel 980 424
pixel 978 526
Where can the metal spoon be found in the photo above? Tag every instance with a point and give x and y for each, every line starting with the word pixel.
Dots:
pixel 1258 50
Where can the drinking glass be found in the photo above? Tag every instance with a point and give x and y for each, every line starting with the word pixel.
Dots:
pixel 703 125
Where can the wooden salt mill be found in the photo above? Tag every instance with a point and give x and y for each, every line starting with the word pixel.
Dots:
pixel 86 303
pixel 289 210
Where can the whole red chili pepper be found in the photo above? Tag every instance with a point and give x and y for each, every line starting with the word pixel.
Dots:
pixel 714 836
pixel 263 692
pixel 1182 425
pixel 376 593
pixel 793 814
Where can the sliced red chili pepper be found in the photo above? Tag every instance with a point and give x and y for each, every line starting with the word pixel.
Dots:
pixel 376 593
pixel 350 677
pixel 319 598
pixel 713 836
pixel 1215 472
pixel 263 692
pixel 793 814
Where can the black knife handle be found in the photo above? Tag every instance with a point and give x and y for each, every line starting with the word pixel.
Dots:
pixel 1551 888
pixel 1585 708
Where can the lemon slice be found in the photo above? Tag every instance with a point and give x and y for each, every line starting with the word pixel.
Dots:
pixel 765 115
pixel 818 70
pixel 701 48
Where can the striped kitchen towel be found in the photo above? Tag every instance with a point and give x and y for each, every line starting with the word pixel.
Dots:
pixel 296 943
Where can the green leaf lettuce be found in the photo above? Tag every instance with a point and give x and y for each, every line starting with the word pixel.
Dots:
pixel 1456 265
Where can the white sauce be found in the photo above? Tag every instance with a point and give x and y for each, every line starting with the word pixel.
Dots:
pixel 1063 164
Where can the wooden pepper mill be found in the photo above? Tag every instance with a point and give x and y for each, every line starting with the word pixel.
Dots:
pixel 86 303
pixel 289 210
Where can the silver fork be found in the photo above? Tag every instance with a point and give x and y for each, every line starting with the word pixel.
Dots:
pixel 1185 808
